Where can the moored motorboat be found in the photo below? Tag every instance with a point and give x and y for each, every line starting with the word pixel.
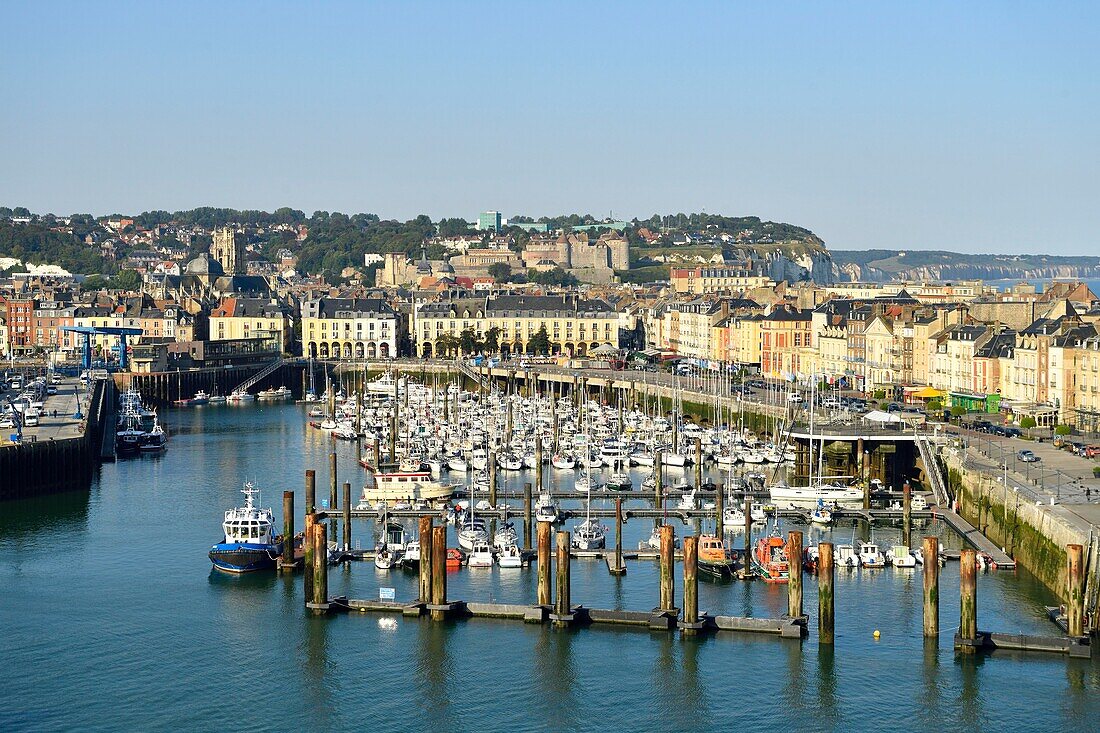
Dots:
pixel 248 543
pixel 713 558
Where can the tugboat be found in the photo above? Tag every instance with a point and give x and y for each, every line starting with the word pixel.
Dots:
pixel 249 542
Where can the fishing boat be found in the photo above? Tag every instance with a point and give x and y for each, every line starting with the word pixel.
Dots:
pixel 248 541
pixel 217 399
pixel 154 440
pixel 454 559
pixel 870 556
pixel 734 517
pixel 713 560
pixel 769 559
pixel 200 398
pixel 239 396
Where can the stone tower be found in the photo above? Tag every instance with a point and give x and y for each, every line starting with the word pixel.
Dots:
pixel 228 250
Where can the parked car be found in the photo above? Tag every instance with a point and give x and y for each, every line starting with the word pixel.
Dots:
pixel 982 426
pixel 1027 456
pixel 794 398
pixel 1012 432
pixel 1092 451
pixel 830 402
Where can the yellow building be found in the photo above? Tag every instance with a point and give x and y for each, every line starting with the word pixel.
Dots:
pixel 350 328
pixel 573 325
pixel 709 279
pixel 241 318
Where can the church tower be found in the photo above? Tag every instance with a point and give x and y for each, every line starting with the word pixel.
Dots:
pixel 228 250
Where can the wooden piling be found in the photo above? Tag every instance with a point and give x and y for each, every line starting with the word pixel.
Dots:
pixel 346 506
pixel 527 515
pixel 866 496
pixel 563 607
pixel 667 599
pixel 968 600
pixel 658 489
pixel 691 583
pixel 545 597
pixel 377 452
pixel 931 587
pixel 620 566
pixel 286 562
pixel 426 559
pixel 439 572
pixel 907 515
pixel 825 609
pixel 307 538
pixel 319 570
pixel 1075 591
pixel 794 582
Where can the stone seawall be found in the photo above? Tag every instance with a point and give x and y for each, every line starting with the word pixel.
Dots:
pixel 52 466
pixel 1031 533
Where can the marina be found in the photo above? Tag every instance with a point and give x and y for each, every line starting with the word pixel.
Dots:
pixel 201 472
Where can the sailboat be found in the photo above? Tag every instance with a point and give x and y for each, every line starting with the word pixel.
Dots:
pixel 589 535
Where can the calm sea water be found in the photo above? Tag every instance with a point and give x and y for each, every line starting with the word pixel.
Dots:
pixel 113 620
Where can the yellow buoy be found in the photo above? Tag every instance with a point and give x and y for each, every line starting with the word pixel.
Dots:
pixel 876 633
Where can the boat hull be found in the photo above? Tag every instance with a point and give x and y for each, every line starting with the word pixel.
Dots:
pixel 243 558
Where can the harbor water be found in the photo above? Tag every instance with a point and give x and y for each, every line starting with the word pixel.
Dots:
pixel 114 620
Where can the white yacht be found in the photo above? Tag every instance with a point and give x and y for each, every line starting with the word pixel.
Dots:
pixel 900 557
pixel 481 556
pixel 403 486
pixel 505 537
pixel 589 535
pixel 783 495
pixel 847 557
pixel 472 532
pixel 510 557
pixel 870 556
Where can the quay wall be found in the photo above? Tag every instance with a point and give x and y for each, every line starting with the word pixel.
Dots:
pixel 160 388
pixel 1033 534
pixel 36 468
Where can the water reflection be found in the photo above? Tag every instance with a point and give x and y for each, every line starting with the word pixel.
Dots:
pixel 435 671
pixel 969 701
pixel 44 516
pixel 827 715
pixel 556 675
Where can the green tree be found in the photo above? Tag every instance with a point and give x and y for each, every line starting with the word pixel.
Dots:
pixel 446 345
pixel 492 340
pixel 935 405
pixel 468 341
pixel 126 280
pixel 540 342
pixel 1063 430
pixel 958 411
pixel 1027 423
pixel 556 276
pixel 94 282
pixel 500 271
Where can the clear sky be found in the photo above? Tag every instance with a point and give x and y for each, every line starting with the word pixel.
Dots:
pixel 969 126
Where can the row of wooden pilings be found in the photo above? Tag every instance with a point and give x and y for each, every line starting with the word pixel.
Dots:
pixel 553 593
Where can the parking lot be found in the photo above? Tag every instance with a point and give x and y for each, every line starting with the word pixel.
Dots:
pixel 48 408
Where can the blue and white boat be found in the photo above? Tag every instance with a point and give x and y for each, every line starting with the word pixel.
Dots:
pixel 249 538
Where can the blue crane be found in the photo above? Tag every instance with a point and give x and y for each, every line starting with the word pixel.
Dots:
pixel 88 331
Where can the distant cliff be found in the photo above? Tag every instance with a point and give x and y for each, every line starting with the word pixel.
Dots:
pixel 880 265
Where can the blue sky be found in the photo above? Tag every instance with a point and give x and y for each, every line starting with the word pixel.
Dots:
pixel 968 126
